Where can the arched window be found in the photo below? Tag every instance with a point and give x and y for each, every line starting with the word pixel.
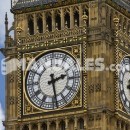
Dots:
pixel 31 25
pixel 67 20
pixel 71 124
pixel 58 21
pixel 34 127
pixel 40 24
pixel 25 127
pixel 53 126
pixel 49 23
pixel 62 125
pixel 76 18
pixel 44 126
pixel 81 124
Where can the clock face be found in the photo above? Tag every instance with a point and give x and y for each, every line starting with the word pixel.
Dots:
pixel 53 80
pixel 124 82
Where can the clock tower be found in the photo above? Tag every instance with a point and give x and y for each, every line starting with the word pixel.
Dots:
pixel 48 83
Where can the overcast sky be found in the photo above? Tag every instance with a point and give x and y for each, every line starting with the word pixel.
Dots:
pixel 4 7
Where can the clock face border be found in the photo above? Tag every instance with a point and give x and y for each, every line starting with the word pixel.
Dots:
pixel 124 99
pixel 40 54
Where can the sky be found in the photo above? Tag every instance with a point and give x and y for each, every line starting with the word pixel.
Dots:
pixel 4 7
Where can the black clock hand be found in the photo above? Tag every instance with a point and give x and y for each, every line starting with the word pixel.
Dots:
pixel 54 88
pixel 57 79
pixel 61 77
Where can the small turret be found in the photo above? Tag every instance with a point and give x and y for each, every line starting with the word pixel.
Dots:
pixel 6 25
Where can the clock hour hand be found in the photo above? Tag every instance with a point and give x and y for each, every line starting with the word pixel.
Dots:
pixel 61 77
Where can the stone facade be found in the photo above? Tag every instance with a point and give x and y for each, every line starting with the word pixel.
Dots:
pixel 86 29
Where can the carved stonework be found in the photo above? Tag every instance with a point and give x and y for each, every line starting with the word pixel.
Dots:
pixel 12 100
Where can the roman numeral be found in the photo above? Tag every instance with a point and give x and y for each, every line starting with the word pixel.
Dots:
pixel 38 92
pixel 73 77
pixel 35 72
pixel 44 98
pixel 34 83
pixel 70 88
pixel 63 98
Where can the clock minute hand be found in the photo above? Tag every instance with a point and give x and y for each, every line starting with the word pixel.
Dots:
pixel 54 88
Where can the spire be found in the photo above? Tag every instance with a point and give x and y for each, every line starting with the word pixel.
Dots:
pixel 6 18
pixel 6 24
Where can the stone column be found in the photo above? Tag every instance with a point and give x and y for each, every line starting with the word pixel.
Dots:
pixel 44 22
pixel 119 125
pixel 85 122
pixel 39 126
pixel 57 124
pixel 80 16
pixel 30 126
pixel 66 123
pixel 48 125
pixel 21 127
pixel 71 17
pixel 26 24
pixel 104 121
pixel 53 20
pixel 35 24
pixel 62 19
pixel 75 123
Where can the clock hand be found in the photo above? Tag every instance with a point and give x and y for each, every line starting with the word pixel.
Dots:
pixel 54 88
pixel 61 77
pixel 57 79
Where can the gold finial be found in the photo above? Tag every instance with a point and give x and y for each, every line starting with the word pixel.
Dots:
pixel 19 30
pixel 56 26
pixel 116 20
pixel 47 27
pixel 66 24
pixel 76 22
pixel 85 17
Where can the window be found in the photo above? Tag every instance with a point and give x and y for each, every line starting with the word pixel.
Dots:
pixel 62 125
pixel 40 25
pixel 44 126
pixel 67 20
pixel 81 123
pixel 25 127
pixel 58 21
pixel 31 25
pixel 49 23
pixel 34 127
pixel 76 18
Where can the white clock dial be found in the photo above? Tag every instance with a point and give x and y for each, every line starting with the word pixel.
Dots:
pixel 53 80
pixel 124 83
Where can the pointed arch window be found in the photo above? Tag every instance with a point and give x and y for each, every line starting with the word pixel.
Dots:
pixel 49 23
pixel 25 127
pixel 44 126
pixel 76 18
pixel 31 25
pixel 81 124
pixel 67 20
pixel 62 125
pixel 53 126
pixel 58 21
pixel 40 24
pixel 34 127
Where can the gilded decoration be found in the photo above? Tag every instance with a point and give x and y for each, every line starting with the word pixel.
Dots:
pixel 75 50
